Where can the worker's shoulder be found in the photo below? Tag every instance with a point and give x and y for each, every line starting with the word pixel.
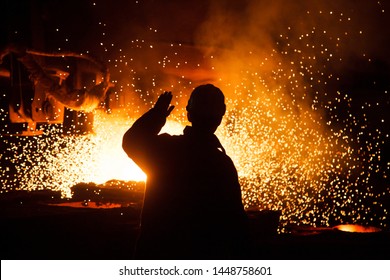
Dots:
pixel 170 143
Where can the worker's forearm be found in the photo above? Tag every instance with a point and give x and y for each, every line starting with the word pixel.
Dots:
pixel 149 123
pixel 143 130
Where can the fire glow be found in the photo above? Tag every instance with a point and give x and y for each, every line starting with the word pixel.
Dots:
pixel 289 155
pixel 357 228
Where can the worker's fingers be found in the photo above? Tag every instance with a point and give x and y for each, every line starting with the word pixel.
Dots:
pixel 163 102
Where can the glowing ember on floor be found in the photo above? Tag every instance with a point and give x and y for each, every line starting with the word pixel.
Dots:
pixel 300 144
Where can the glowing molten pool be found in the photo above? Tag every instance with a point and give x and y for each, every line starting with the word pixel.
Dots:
pixel 357 228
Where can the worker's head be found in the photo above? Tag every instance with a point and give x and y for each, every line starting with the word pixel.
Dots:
pixel 206 108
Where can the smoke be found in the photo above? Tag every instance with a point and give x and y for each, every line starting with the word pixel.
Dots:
pixel 317 38
pixel 153 44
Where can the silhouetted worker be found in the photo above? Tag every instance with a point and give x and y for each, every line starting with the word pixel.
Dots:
pixel 77 99
pixel 192 206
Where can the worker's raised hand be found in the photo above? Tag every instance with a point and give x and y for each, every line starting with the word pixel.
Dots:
pixel 163 104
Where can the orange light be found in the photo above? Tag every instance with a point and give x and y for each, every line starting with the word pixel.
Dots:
pixel 357 228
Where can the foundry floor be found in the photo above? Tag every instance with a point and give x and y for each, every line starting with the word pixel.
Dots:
pixel 34 230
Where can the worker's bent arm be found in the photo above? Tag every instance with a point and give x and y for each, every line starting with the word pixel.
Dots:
pixel 139 140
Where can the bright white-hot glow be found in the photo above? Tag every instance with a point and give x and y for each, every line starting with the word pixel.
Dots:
pixel 109 159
